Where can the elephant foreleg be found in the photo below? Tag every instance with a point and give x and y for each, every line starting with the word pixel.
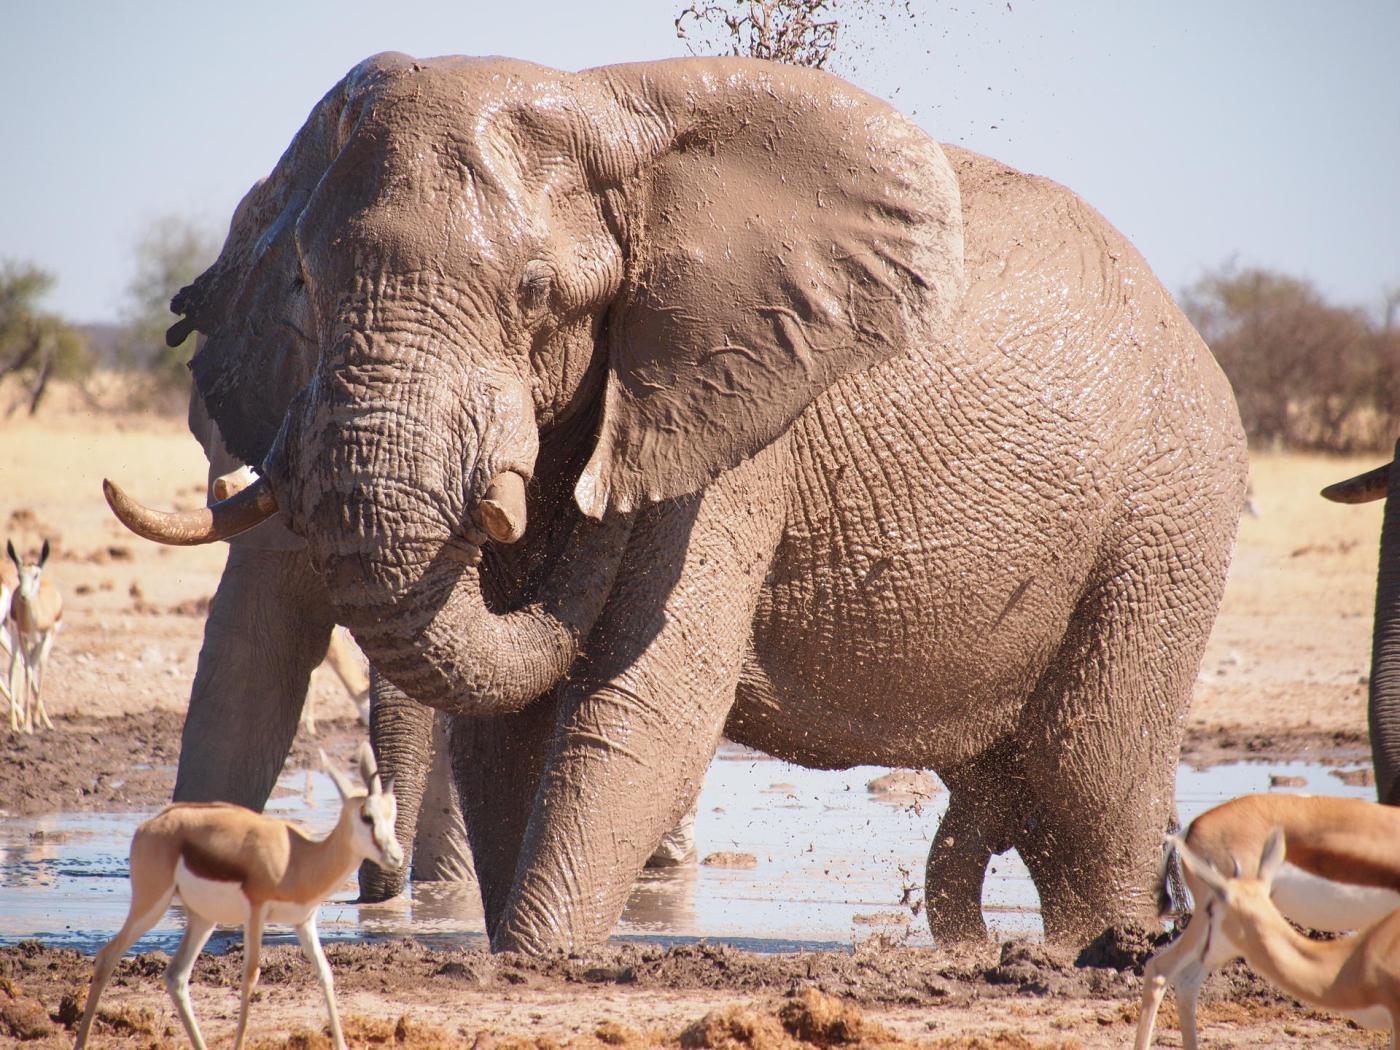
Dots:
pixel 496 763
pixel 410 741
pixel 268 628
pixel 643 710
pixel 441 852
pixel 401 731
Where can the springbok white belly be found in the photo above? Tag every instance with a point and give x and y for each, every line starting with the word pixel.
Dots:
pixel 221 902
pixel 224 903
pixel 1322 904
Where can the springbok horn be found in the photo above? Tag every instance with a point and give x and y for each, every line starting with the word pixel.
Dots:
pixel 187 528
pixel 501 512
pixel 1361 489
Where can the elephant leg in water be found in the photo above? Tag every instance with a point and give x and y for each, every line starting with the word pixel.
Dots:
pixel 411 742
pixel 268 628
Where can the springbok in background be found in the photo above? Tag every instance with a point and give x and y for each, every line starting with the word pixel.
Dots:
pixel 232 866
pixel 1342 872
pixel 36 612
pixel 9 580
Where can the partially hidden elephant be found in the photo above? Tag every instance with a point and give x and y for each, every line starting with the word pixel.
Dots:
pixel 269 627
pixel 711 396
pixel 1383 686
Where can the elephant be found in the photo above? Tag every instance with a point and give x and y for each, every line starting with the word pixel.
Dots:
pixel 1383 686
pixel 700 397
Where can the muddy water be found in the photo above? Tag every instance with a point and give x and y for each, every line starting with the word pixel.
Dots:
pixel 831 862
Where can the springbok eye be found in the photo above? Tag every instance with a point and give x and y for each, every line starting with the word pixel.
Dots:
pixel 369 820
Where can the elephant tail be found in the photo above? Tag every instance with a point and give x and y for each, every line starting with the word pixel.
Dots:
pixel 1172 898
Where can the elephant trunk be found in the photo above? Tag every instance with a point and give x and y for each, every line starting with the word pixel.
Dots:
pixel 394 494
pixel 427 628
pixel 1384 700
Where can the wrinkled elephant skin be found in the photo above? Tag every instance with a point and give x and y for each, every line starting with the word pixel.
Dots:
pixel 851 447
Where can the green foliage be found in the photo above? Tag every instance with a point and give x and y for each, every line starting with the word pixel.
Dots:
pixel 36 346
pixel 170 254
pixel 1307 373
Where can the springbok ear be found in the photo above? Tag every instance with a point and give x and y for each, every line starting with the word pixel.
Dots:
pixel 1201 868
pixel 43 554
pixel 342 785
pixel 781 229
pixel 250 303
pixel 10 549
pixel 1272 856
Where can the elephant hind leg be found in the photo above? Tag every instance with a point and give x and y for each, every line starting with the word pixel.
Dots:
pixel 1100 744
pixel 977 825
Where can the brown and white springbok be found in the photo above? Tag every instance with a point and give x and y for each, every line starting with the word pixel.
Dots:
pixel 232 866
pixel 36 612
pixel 1342 872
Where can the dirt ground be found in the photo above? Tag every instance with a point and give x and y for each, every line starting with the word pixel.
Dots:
pixel 1284 676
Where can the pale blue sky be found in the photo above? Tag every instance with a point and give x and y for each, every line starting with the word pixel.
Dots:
pixel 1203 129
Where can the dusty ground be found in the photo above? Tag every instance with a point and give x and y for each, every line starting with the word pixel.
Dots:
pixel 1284 675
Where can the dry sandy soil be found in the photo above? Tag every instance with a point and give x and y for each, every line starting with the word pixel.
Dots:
pixel 1285 675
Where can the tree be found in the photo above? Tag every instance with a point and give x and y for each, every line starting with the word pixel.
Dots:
pixel 171 253
pixel 1306 373
pixel 35 346
pixel 798 32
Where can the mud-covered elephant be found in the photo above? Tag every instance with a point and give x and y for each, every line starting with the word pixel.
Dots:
pixel 708 396
pixel 1383 701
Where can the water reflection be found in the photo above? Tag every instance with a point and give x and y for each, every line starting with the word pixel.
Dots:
pixel 833 864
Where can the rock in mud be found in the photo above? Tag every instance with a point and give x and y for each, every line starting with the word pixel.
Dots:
pixel 1356 777
pixel 904 785
pixel 730 860
pixel 1281 780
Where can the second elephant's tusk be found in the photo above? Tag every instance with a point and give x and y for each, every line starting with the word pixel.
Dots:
pixel 501 512
pixel 1363 488
pixel 187 528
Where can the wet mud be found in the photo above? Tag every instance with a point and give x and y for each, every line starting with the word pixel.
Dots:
pixel 872 996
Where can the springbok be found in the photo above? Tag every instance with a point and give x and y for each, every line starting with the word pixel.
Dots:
pixel 36 612
pixel 340 655
pixel 9 580
pixel 1342 873
pixel 232 866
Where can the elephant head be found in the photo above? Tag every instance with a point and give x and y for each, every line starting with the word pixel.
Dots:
pixel 457 259
pixel 1383 702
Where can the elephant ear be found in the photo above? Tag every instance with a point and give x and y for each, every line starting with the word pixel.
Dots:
pixel 249 304
pixel 783 229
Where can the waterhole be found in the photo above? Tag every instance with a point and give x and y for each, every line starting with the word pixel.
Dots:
pixel 814 860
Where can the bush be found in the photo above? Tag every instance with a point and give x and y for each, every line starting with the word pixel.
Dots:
pixel 1307 374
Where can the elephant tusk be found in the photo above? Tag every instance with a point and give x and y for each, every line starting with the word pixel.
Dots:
pixel 225 519
pixel 501 512
pixel 1363 488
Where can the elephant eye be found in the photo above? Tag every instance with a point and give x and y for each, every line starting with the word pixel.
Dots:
pixel 536 286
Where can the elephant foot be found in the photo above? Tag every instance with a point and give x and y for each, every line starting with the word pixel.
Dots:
pixel 378 885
